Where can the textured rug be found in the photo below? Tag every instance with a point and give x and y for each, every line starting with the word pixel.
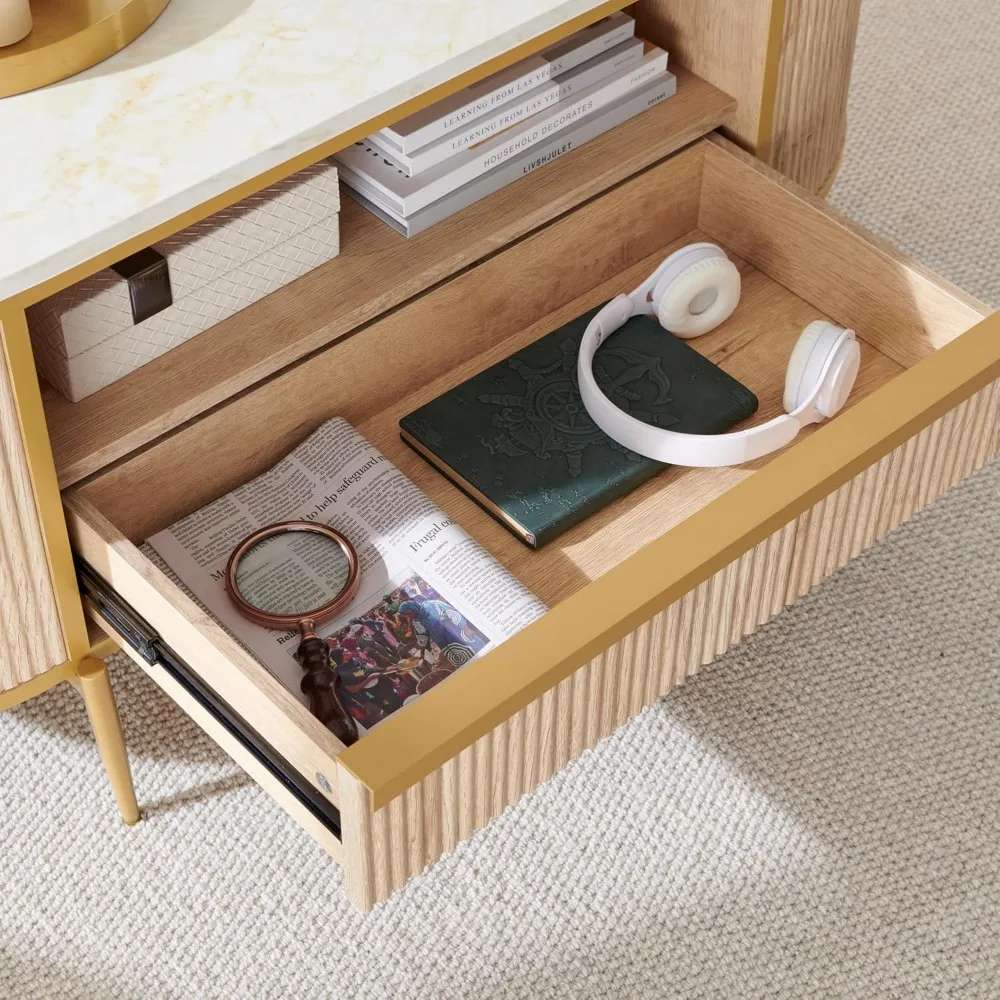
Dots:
pixel 815 815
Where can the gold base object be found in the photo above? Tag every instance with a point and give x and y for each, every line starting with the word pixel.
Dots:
pixel 70 36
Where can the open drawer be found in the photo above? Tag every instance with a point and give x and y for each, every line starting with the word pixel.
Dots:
pixel 641 594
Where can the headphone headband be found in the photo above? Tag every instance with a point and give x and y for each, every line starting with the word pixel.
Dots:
pixel 670 447
pixel 830 365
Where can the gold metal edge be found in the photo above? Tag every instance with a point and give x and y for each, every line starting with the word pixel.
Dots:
pixel 42 471
pixel 410 745
pixel 769 84
pixel 28 70
pixel 49 286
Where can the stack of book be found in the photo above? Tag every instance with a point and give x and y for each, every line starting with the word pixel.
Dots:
pixel 451 154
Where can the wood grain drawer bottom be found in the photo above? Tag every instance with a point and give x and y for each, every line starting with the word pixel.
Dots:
pixel 645 592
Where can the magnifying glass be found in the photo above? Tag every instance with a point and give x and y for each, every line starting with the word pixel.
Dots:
pixel 300 575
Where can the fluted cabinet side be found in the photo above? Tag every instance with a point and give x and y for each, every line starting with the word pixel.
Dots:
pixel 31 639
pixel 809 125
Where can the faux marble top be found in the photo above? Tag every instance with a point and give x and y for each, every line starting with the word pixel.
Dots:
pixel 216 92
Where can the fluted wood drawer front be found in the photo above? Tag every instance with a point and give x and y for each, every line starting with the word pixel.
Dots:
pixel 648 590
pixel 388 844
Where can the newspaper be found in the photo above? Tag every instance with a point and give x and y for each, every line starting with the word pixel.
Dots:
pixel 430 598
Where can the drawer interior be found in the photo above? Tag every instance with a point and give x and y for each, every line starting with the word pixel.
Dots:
pixel 799 261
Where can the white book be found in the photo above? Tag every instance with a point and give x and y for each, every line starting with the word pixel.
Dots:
pixel 563 142
pixel 622 57
pixel 434 122
pixel 406 195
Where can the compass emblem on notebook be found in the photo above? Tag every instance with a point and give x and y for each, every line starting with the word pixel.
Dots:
pixel 548 418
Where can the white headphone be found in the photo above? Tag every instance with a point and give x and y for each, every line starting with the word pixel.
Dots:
pixel 690 293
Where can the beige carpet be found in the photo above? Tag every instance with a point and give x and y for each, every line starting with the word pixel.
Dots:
pixel 814 816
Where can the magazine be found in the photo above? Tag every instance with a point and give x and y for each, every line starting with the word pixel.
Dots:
pixel 406 195
pixel 520 166
pixel 617 60
pixel 442 117
pixel 430 598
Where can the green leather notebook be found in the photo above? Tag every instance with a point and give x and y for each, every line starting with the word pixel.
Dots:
pixel 517 439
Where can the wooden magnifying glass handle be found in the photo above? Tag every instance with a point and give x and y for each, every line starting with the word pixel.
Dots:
pixel 321 683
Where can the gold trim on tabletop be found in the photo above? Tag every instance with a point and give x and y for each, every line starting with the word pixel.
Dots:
pixel 70 36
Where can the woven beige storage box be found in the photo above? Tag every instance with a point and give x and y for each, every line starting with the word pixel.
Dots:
pixel 97 331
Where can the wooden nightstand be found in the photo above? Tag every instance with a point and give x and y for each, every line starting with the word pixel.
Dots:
pixel 643 593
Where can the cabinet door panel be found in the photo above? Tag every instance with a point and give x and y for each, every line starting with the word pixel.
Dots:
pixel 31 638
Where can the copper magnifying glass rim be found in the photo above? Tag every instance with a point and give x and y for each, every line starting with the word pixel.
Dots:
pixel 316 616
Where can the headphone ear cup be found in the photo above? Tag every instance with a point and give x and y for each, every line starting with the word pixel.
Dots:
pixel 797 364
pixel 698 299
pixel 809 359
pixel 840 381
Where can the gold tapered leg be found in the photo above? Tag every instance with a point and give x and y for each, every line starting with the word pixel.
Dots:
pixel 100 701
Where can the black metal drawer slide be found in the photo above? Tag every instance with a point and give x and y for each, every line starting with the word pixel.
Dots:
pixel 142 638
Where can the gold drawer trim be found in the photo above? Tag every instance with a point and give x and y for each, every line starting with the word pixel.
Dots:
pixel 383 849
pixel 399 753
